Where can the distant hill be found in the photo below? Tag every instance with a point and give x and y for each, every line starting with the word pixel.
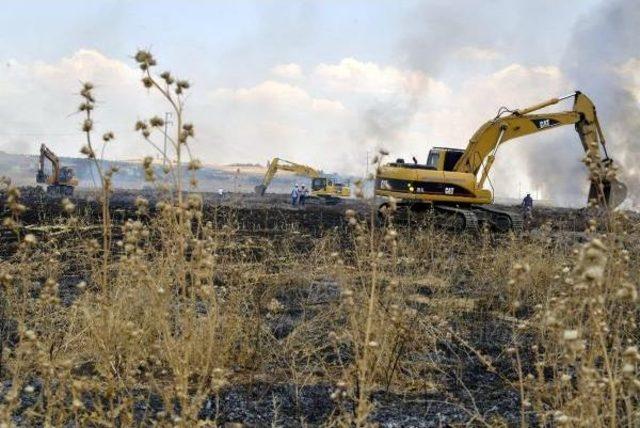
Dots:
pixel 245 165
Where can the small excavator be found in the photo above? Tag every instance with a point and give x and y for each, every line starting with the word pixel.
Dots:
pixel 452 180
pixel 62 180
pixel 326 188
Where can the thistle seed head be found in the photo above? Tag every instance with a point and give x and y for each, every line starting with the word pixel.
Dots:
pixel 156 121
pixel 166 76
pixel 87 125
pixel 194 165
pixel 141 125
pixel 108 136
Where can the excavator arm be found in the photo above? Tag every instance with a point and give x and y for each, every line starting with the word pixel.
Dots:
pixel 519 123
pixel 484 144
pixel 47 154
pixel 278 164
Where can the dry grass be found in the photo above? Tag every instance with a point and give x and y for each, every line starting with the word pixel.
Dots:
pixel 185 329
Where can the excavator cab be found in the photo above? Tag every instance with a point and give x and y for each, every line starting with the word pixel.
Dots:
pixel 66 175
pixel 41 177
pixel 320 183
pixel 329 187
pixel 443 158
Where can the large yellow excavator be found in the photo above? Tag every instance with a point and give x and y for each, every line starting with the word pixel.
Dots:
pixel 322 186
pixel 62 179
pixel 452 180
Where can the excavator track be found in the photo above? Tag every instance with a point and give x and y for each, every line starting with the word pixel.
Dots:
pixel 500 220
pixel 461 219
pixel 469 217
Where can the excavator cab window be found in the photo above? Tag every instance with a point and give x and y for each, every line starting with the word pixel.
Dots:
pixel 318 183
pixel 433 158
pixel 66 174
pixel 452 158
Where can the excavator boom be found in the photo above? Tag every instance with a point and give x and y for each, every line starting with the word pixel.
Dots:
pixel 47 154
pixel 484 144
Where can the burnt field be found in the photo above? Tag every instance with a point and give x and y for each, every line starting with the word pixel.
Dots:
pixel 271 213
pixel 270 315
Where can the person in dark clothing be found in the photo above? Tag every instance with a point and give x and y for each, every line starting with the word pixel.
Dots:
pixel 527 206
pixel 304 193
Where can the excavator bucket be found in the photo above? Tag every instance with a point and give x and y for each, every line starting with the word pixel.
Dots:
pixel 610 193
pixel 260 189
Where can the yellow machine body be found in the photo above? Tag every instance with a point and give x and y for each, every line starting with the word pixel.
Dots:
pixel 431 182
pixel 328 187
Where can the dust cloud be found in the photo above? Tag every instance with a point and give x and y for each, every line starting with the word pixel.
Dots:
pixel 598 61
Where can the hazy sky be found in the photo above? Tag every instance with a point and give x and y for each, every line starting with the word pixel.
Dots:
pixel 323 82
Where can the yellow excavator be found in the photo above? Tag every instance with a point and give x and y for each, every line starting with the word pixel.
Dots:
pixel 326 188
pixel 452 180
pixel 62 180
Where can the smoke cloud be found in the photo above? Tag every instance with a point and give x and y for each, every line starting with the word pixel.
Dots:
pixel 602 58
pixel 599 61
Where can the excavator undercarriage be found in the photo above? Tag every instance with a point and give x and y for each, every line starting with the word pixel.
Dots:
pixel 471 218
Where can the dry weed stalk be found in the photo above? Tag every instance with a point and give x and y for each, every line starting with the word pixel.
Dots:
pixel 106 188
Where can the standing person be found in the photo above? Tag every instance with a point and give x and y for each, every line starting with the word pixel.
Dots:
pixel 295 195
pixel 527 206
pixel 304 192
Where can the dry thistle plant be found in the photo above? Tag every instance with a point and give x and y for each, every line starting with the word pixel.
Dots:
pixel 378 318
pixel 86 107
pixel 590 333
pixel 173 91
pixel 585 366
pixel 184 212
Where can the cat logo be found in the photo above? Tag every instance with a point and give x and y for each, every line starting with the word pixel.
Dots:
pixel 544 123
pixel 448 190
